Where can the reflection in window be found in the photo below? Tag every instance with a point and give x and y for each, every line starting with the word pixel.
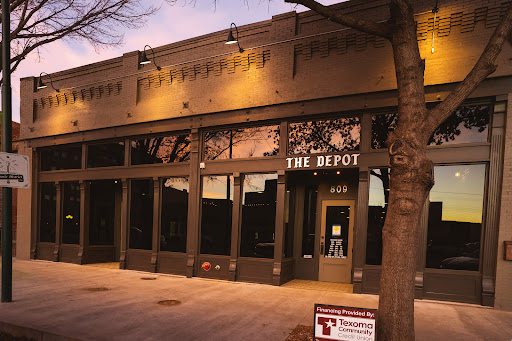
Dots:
pixel 103 211
pixel 382 125
pixel 48 212
pixel 258 215
pixel 377 208
pixel 455 217
pixel 334 135
pixel 173 231
pixel 242 143
pixel 216 215
pixel 309 221
pixel 289 216
pixel 166 149
pixel 141 214
pixel 105 154
pixel 467 124
pixel 61 158
pixel 71 213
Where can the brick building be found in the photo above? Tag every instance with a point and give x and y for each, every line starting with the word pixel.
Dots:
pixel 268 164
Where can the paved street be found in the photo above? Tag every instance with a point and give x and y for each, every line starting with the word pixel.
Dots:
pixel 89 303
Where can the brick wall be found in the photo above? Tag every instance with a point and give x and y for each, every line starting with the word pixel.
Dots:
pixel 290 58
pixel 504 268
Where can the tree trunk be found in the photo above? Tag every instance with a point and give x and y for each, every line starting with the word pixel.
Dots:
pixel 410 181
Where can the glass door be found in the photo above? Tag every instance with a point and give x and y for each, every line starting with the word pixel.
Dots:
pixel 337 230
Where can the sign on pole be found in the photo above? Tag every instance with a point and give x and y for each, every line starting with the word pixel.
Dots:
pixel 344 323
pixel 14 170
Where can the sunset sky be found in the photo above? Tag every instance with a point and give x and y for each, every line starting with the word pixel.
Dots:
pixel 170 24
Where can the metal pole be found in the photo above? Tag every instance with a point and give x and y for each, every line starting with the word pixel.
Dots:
pixel 6 147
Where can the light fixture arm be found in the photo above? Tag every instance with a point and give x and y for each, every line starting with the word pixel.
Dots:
pixel 152 59
pixel 51 81
pixel 237 39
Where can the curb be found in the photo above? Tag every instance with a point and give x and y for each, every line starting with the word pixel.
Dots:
pixel 32 334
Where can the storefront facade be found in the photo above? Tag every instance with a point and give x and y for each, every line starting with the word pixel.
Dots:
pixel 267 165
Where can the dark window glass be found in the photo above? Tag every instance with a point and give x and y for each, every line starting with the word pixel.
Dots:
pixel 382 125
pixel 216 215
pixel 455 217
pixel 377 208
pixel 105 154
pixel 258 215
pixel 48 212
pixel 289 216
pixel 104 195
pixel 141 214
pixel 309 221
pixel 242 143
pixel 323 136
pixel 173 231
pixel 467 124
pixel 71 213
pixel 61 158
pixel 166 149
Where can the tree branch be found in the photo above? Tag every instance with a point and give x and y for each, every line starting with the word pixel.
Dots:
pixel 370 27
pixel 482 69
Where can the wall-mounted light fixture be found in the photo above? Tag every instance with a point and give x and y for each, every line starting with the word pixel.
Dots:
pixel 145 60
pixel 231 39
pixel 42 85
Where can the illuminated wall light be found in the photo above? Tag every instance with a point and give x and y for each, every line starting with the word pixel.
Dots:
pixel 231 39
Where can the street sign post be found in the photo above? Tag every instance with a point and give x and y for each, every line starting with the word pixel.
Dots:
pixel 6 147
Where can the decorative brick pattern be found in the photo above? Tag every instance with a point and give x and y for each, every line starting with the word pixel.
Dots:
pixel 86 94
pixel 204 70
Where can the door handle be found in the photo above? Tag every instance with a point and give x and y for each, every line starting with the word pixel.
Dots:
pixel 322 246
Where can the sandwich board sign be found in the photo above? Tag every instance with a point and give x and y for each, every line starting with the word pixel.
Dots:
pixel 14 170
pixel 344 323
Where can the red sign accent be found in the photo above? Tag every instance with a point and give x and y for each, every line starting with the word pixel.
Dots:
pixel 206 266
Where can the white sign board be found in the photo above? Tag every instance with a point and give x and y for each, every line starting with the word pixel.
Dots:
pixel 344 323
pixel 14 170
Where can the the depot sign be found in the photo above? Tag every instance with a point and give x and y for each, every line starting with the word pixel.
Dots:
pixel 322 161
pixel 344 323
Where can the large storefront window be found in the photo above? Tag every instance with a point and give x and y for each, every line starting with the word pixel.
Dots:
pixel 216 215
pixel 141 214
pixel 48 212
pixel 289 216
pixel 163 149
pixel 61 158
pixel 105 154
pixel 258 215
pixel 309 221
pixel 71 213
pixel 377 208
pixel 242 143
pixel 324 136
pixel 455 217
pixel 173 231
pixel 468 124
pixel 102 212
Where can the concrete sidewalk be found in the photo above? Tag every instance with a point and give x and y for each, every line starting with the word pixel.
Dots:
pixel 66 301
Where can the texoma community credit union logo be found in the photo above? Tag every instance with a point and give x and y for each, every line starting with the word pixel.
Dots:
pixel 344 323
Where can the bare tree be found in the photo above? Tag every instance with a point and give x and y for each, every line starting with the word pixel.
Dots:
pixel 35 23
pixel 411 171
